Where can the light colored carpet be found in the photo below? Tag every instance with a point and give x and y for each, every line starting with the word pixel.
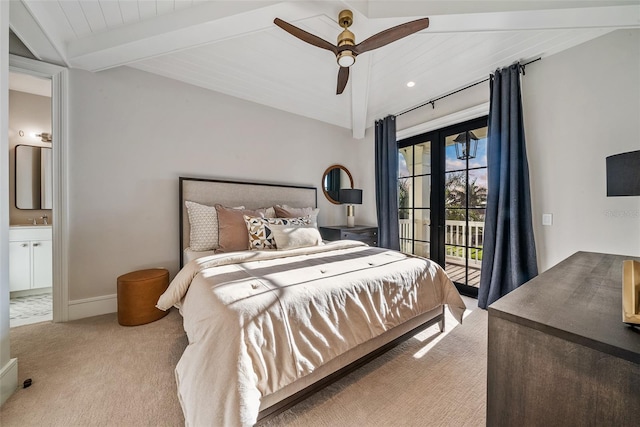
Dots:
pixel 432 379
pixel 94 372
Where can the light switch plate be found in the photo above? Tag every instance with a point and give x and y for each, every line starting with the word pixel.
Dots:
pixel 547 219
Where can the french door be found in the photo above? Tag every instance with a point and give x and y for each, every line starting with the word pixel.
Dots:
pixel 442 191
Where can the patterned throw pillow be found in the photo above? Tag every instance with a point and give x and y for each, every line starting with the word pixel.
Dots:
pixel 260 234
pixel 203 222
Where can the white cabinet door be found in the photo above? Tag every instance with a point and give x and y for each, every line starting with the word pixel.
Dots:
pixel 19 266
pixel 42 252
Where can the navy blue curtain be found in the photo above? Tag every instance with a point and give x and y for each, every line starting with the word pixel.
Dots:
pixel 509 250
pixel 387 183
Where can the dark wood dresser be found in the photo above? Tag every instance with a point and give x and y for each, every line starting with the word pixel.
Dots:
pixel 362 233
pixel 559 353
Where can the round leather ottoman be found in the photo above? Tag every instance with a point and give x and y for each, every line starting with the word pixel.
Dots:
pixel 138 293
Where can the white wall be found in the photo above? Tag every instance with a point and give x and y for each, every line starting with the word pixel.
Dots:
pixel 583 105
pixel 132 134
pixel 460 101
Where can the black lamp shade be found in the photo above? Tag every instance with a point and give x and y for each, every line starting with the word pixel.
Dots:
pixel 351 196
pixel 623 174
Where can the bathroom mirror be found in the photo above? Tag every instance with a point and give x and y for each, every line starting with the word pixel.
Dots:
pixel 34 180
pixel 335 178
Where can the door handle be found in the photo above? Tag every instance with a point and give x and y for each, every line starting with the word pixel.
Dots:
pixel 36 244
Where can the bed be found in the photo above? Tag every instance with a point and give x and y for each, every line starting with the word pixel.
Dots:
pixel 266 328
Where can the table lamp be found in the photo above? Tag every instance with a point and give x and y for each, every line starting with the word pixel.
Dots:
pixel 350 197
pixel 623 179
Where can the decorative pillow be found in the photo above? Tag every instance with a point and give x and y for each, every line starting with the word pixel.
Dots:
pixel 232 229
pixel 287 237
pixel 260 235
pixel 284 211
pixel 203 221
pixel 269 212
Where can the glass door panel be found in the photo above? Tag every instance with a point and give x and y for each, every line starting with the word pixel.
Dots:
pixel 406 230
pixel 414 197
pixel 442 191
pixel 422 249
pixel 422 232
pixel 465 203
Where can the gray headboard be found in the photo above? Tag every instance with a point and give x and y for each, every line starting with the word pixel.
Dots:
pixel 236 193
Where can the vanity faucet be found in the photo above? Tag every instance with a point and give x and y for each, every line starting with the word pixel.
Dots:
pixel 44 220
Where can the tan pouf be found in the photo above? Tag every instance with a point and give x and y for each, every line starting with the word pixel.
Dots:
pixel 138 293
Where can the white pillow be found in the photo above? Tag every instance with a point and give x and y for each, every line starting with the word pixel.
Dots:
pixel 203 221
pixel 285 211
pixel 288 237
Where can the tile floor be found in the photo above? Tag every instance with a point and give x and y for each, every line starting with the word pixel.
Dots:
pixel 26 310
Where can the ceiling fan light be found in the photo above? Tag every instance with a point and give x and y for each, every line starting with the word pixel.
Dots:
pixel 346 58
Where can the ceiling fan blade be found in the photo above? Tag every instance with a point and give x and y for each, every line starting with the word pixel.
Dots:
pixel 305 36
pixel 390 35
pixel 343 77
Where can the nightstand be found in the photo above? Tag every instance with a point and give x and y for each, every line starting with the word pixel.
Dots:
pixel 362 233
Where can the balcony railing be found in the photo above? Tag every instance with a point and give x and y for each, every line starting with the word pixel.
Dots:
pixel 455 239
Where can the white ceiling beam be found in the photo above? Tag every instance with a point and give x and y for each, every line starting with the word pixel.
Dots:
pixel 598 17
pixel 184 29
pixel 30 32
pixel 553 19
pixel 360 72
pixel 421 8
pixel 360 77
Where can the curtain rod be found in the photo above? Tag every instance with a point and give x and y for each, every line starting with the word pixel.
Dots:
pixel 433 101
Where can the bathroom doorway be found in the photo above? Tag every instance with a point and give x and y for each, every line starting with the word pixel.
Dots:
pixel 30 199
pixel 60 248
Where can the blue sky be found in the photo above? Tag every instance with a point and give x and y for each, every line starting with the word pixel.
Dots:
pixel 453 163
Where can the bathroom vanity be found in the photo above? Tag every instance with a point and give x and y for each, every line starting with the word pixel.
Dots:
pixel 30 257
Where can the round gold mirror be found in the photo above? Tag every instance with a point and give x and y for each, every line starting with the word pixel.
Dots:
pixel 335 178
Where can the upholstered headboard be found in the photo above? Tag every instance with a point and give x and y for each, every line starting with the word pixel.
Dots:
pixel 235 193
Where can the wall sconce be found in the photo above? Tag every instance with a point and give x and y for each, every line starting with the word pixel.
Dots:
pixel 466 145
pixel 349 197
pixel 44 136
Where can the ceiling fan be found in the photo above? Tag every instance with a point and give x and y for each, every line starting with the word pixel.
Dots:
pixel 346 50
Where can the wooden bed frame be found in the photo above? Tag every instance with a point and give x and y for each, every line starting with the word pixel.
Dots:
pixel 256 195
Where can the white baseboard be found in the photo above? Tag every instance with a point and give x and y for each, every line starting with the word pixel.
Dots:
pixel 81 308
pixel 8 380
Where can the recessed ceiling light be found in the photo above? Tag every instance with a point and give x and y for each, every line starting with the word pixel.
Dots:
pixel 411 84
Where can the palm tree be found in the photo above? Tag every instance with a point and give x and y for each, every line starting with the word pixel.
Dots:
pixel 459 195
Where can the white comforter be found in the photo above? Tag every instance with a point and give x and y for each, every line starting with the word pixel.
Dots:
pixel 258 320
